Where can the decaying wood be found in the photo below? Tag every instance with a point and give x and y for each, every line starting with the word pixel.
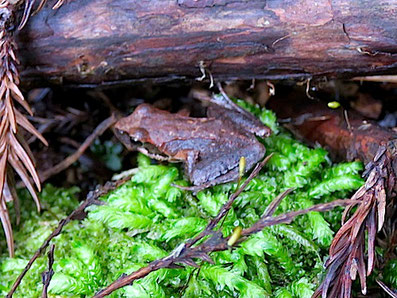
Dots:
pixel 349 136
pixel 103 42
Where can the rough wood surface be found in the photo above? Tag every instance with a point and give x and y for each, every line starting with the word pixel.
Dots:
pixel 91 42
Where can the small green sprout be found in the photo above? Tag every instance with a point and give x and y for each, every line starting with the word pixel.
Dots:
pixel 334 104
pixel 241 166
pixel 235 236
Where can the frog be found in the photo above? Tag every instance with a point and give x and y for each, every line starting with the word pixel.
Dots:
pixel 209 147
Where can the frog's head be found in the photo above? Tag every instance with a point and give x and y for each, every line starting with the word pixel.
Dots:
pixel 129 129
pixel 132 139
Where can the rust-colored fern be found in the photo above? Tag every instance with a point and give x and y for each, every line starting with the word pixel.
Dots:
pixel 14 151
pixel 348 256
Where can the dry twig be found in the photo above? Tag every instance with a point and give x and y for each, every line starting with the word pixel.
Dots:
pixel 47 275
pixel 391 293
pixel 29 9
pixel 104 125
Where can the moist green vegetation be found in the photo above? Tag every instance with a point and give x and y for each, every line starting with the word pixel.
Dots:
pixel 390 273
pixel 146 218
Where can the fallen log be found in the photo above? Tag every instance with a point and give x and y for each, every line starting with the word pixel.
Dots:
pixel 107 42
pixel 350 136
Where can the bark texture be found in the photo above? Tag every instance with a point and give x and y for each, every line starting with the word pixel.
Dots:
pixel 105 42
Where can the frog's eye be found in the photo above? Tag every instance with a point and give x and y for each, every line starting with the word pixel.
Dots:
pixel 139 135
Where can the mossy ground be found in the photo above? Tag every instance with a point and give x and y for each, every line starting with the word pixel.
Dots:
pixel 147 218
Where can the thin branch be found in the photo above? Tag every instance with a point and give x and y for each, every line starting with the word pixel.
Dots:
pixel 276 202
pixel 286 218
pixel 47 275
pixel 67 162
pixel 78 213
pixel 385 288
pixel 28 10
pixel 226 207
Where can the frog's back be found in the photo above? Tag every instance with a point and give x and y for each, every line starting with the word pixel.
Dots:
pixel 163 126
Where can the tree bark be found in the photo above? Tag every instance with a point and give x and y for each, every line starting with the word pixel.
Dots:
pixel 106 42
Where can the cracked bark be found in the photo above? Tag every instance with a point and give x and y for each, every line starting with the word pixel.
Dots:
pixel 103 42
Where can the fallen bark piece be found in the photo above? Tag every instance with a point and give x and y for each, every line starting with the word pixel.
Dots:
pixel 346 134
pixel 105 42
pixel 349 136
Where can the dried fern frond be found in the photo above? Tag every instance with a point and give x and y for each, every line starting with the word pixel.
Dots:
pixel 14 151
pixel 347 254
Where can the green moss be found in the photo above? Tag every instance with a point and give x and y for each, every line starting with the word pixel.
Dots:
pixel 390 273
pixel 146 218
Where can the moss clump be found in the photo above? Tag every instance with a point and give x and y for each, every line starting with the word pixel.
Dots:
pixel 390 273
pixel 147 218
